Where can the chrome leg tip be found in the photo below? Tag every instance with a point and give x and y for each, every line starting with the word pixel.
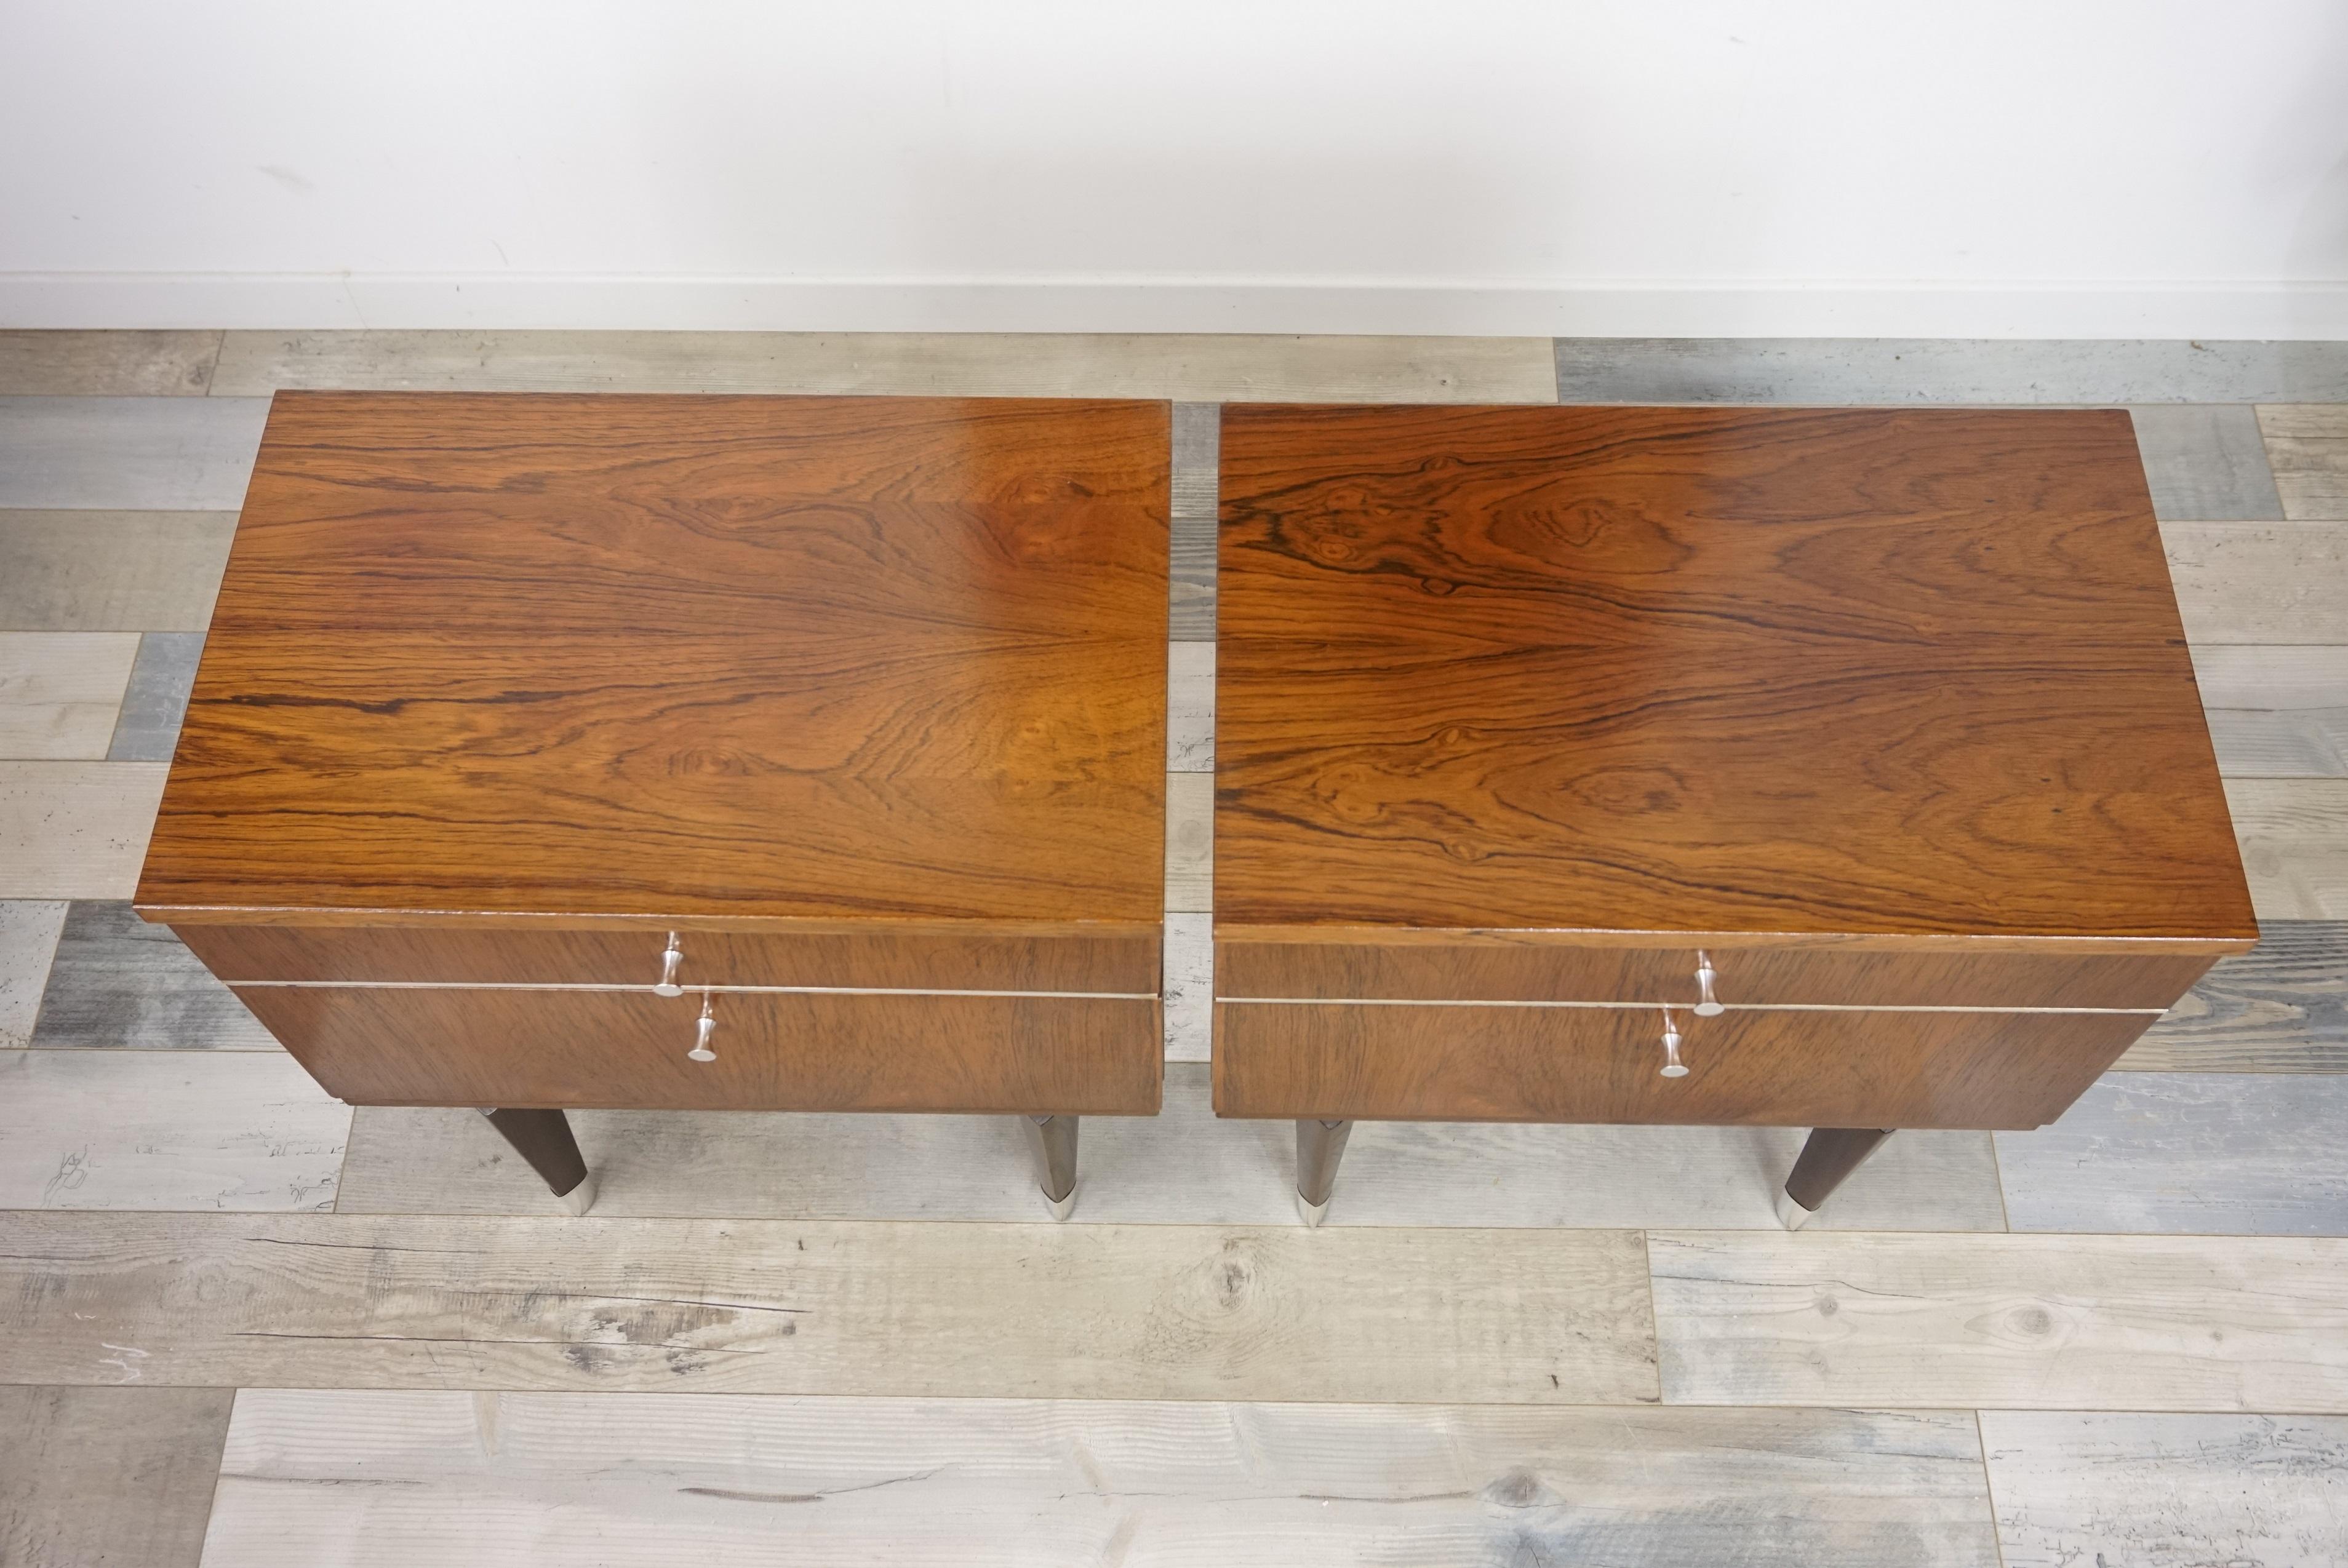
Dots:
pixel 1309 1212
pixel 1791 1214
pixel 1061 1207
pixel 581 1198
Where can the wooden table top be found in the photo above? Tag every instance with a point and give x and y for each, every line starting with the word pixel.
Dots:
pixel 806 660
pixel 1896 673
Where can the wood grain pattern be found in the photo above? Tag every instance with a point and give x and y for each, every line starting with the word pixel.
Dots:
pixel 2294 834
pixel 1897 671
pixel 776 1052
pixel 1473 1063
pixel 1184 1166
pixel 109 1476
pixel 789 658
pixel 2269 582
pixel 2024 1322
pixel 2276 712
pixel 119 982
pixel 1165 1312
pixel 111 571
pixel 2206 1153
pixel 2282 1007
pixel 60 692
pixel 2308 446
pixel 357 1479
pixel 75 830
pixel 107 364
pixel 2167 1491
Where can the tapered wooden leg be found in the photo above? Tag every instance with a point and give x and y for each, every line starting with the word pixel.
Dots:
pixel 1831 1154
pixel 543 1138
pixel 1319 1146
pixel 1052 1140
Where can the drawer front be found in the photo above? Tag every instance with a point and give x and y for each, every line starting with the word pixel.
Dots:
pixel 1796 1069
pixel 785 1052
pixel 1778 975
pixel 633 956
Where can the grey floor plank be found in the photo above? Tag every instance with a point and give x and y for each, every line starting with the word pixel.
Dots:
pixel 75 830
pixel 342 1480
pixel 1182 1166
pixel 107 364
pixel 2206 1153
pixel 1827 371
pixel 156 702
pixel 128 454
pixel 93 1477
pixel 1198 451
pixel 1189 367
pixel 2294 839
pixel 1192 618
pixel 2276 712
pixel 167 1130
pixel 1190 708
pixel 2306 745
pixel 1189 842
pixel 968 1311
pixel 1190 987
pixel 2268 583
pixel 119 981
pixel 2308 447
pixel 61 692
pixel 2167 1491
pixel 2018 1322
pixel 2205 461
pixel 2282 1007
pixel 111 571
pixel 28 940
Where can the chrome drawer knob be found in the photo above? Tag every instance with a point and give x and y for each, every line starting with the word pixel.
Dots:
pixel 1706 1004
pixel 1673 1066
pixel 702 1031
pixel 674 955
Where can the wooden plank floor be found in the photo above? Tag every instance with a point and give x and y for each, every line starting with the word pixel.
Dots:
pixel 2119 1338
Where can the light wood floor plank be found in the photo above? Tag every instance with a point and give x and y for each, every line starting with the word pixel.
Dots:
pixel 1190 708
pixel 2291 678
pixel 1011 1311
pixel 2205 461
pixel 339 1480
pixel 1191 592
pixel 1827 371
pixel 1190 981
pixel 2290 745
pixel 117 980
pixel 1189 842
pixel 2167 1491
pixel 166 1130
pixel 1182 1166
pixel 1198 456
pixel 2273 582
pixel 28 941
pixel 155 704
pixel 111 571
pixel 107 364
pixel 1193 368
pixel 2308 446
pixel 2294 837
pixel 75 830
pixel 2206 1153
pixel 61 692
pixel 2035 1322
pixel 128 454
pixel 2282 1007
pixel 92 1477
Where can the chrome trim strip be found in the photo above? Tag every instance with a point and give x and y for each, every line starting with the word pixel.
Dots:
pixel 1732 1007
pixel 689 991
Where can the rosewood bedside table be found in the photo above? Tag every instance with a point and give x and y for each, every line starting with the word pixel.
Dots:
pixel 689 753
pixel 1836 769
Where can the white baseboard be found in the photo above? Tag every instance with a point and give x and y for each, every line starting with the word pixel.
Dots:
pixel 504 301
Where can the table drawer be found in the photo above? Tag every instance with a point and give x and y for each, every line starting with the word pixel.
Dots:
pixel 608 955
pixel 774 1051
pixel 1785 975
pixel 1468 1063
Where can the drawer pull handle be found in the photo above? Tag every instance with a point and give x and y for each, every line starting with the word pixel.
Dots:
pixel 707 1027
pixel 1706 1004
pixel 1673 1066
pixel 671 957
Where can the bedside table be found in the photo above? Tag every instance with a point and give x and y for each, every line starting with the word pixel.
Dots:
pixel 1838 768
pixel 689 752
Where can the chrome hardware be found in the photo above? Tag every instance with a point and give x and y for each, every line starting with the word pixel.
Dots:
pixel 1673 1066
pixel 672 956
pixel 1706 1004
pixel 707 1026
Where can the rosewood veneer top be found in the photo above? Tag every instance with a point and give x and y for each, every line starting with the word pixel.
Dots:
pixel 1888 674
pixel 828 660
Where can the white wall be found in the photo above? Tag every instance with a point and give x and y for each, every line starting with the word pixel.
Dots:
pixel 2041 168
